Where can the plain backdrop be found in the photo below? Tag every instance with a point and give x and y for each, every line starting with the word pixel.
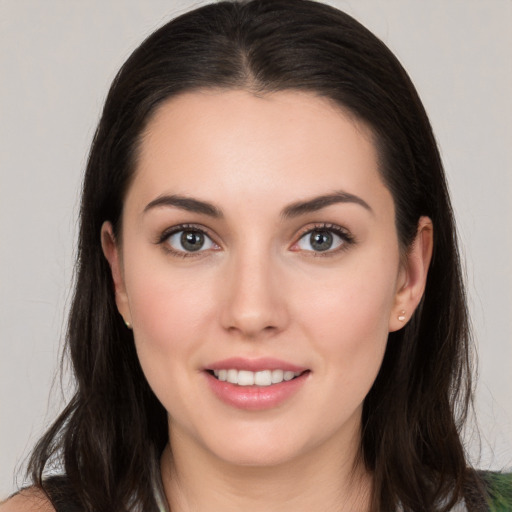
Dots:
pixel 56 63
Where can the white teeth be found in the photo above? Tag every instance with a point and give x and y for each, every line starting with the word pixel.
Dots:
pixel 277 376
pixel 245 378
pixel 232 376
pixel 288 375
pixel 261 378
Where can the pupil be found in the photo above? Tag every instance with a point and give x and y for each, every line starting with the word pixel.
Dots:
pixel 192 240
pixel 321 240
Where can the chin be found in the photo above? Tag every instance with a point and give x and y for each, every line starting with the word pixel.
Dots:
pixel 257 458
pixel 265 447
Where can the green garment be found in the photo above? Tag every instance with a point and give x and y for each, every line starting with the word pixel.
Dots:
pixel 499 489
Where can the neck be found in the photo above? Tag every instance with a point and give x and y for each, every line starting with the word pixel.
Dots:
pixel 195 481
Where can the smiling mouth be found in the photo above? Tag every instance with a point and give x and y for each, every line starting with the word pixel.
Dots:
pixel 259 378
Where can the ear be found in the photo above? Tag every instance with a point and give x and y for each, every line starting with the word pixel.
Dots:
pixel 413 275
pixel 112 254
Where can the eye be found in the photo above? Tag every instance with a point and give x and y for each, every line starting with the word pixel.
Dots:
pixel 188 240
pixel 323 239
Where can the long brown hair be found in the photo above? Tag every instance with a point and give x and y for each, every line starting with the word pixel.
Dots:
pixel 414 413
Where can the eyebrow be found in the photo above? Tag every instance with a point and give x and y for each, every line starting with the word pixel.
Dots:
pixel 317 203
pixel 293 210
pixel 185 203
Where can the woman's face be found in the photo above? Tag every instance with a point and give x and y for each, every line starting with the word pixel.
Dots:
pixel 259 244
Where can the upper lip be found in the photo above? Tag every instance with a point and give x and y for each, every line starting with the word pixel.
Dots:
pixel 255 365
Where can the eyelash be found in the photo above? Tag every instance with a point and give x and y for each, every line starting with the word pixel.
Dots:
pixel 347 239
pixel 164 237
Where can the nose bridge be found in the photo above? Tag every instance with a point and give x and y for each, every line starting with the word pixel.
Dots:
pixel 253 303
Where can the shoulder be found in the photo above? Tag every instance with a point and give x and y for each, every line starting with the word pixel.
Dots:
pixel 31 499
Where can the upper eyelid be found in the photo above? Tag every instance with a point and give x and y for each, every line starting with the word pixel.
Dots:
pixel 345 234
pixel 173 230
pixel 327 226
pixel 166 233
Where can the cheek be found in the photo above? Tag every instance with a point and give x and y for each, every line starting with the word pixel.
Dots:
pixel 347 316
pixel 166 312
pixel 359 299
pixel 350 331
pixel 170 314
pixel 170 309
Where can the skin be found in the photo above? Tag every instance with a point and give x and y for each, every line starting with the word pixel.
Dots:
pixel 28 500
pixel 258 289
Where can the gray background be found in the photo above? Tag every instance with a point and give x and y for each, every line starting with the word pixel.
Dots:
pixel 57 60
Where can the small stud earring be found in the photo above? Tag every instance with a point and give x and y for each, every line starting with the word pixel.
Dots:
pixel 128 324
pixel 401 316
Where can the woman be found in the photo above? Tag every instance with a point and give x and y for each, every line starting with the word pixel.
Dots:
pixel 269 311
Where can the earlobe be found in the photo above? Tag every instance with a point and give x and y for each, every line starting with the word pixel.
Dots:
pixel 111 252
pixel 413 275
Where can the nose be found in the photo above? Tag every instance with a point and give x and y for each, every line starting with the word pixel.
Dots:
pixel 254 304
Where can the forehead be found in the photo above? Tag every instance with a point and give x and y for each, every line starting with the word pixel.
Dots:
pixel 231 144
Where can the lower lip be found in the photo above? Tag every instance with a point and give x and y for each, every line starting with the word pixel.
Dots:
pixel 255 398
